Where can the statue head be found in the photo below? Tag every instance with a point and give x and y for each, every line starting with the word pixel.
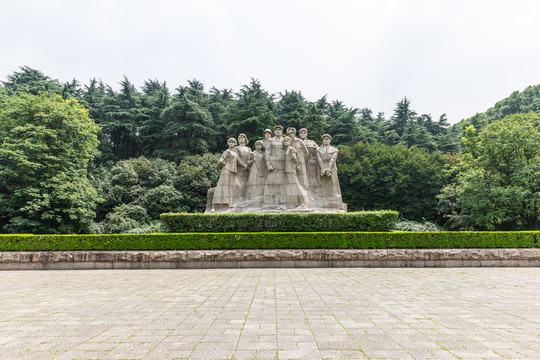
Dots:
pixel 258 145
pixel 291 132
pixel 326 139
pixel 286 141
pixel 303 133
pixel 278 130
pixel 231 142
pixel 242 139
pixel 267 134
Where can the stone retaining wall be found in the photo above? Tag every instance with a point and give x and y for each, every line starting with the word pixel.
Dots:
pixel 198 259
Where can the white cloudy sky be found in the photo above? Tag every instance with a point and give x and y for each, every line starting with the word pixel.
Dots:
pixel 447 56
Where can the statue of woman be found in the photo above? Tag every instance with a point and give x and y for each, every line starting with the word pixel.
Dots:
pixel 266 144
pixel 302 153
pixel 244 153
pixel 226 192
pixel 274 159
pixel 326 156
pixel 294 195
pixel 255 183
pixel 267 138
pixel 312 169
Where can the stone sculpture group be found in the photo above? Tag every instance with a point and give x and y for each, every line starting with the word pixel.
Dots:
pixel 283 173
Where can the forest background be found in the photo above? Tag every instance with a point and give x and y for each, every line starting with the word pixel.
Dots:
pixel 88 159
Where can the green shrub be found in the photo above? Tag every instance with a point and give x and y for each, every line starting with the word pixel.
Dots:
pixel 383 220
pixel 272 240
pixel 409 225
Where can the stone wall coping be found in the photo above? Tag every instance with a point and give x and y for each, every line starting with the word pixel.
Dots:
pixel 269 258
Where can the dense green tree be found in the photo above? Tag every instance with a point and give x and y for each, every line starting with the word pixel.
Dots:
pixel 72 89
pixel 416 134
pixel 403 115
pixel 498 185
pixel 315 119
pixel 219 102
pixel 197 174
pixel 122 116
pixel 45 147
pixel 31 81
pixel 252 112
pixel 342 123
pixel 138 182
pixel 156 98
pixel 522 102
pixel 378 176
pixel 188 129
pixel 92 98
pixel 131 181
pixel 291 109
pixel 370 128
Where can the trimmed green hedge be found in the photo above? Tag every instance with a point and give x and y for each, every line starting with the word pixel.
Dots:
pixel 298 240
pixel 383 220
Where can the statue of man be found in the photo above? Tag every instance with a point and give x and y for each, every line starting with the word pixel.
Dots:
pixel 228 186
pixel 275 164
pixel 327 156
pixel 301 153
pixel 312 169
pixel 294 195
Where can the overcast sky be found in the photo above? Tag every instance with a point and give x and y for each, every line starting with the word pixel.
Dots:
pixel 454 57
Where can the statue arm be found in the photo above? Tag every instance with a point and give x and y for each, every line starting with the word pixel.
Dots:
pixel 321 163
pixel 242 163
pixel 222 159
pixel 320 160
pixel 268 158
pixel 303 147
pixel 332 161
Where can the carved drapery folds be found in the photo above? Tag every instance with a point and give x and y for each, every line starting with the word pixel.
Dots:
pixel 282 173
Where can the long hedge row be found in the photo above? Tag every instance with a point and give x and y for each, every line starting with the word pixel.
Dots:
pixel 383 220
pixel 296 240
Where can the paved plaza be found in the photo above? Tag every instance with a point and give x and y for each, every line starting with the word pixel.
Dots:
pixel 353 313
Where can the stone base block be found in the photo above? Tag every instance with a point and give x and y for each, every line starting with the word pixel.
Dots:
pixel 207 259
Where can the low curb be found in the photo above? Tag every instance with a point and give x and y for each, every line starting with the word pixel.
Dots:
pixel 210 259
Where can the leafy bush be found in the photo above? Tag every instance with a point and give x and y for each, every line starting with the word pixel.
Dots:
pixel 272 240
pixel 409 225
pixel 378 176
pixel 383 220
pixel 122 219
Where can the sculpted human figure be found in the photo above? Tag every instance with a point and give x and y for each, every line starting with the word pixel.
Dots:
pixel 326 156
pixel 301 153
pixel 312 168
pixel 266 144
pixel 267 138
pixel 255 184
pixel 294 195
pixel 244 153
pixel 225 194
pixel 275 165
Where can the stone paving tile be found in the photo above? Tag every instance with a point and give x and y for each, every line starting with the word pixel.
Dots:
pixel 392 313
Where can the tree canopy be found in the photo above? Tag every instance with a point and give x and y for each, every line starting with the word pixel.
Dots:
pixel 89 157
pixel 46 143
pixel 497 186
